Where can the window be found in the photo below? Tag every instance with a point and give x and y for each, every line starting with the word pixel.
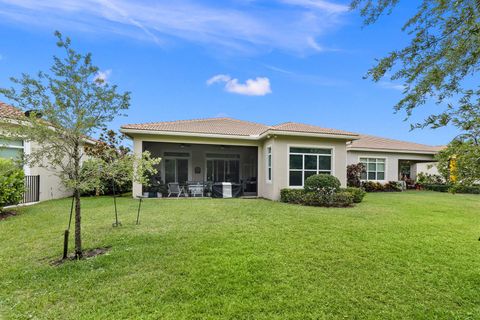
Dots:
pixel 176 167
pixel 306 162
pixel 223 167
pixel 269 164
pixel 375 169
pixel 11 149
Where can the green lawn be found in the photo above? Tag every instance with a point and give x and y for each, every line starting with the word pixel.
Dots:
pixel 396 255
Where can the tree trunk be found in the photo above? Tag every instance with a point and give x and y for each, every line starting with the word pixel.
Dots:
pixel 78 229
pixel 78 217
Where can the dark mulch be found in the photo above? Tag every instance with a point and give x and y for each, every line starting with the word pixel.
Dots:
pixel 7 214
pixel 87 254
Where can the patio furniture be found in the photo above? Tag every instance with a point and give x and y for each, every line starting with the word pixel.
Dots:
pixel 196 189
pixel 175 189
pixel 226 190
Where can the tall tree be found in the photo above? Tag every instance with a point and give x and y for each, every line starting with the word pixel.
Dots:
pixel 439 63
pixel 73 103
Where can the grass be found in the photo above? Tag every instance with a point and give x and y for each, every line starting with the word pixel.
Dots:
pixel 396 255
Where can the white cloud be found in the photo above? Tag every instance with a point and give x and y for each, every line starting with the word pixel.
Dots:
pixel 290 25
pixel 319 4
pixel 102 76
pixel 391 85
pixel 259 86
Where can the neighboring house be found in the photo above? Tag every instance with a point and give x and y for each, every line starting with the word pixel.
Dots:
pixel 265 159
pixel 42 183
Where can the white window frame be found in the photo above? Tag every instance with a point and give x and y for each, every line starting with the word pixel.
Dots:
pixel 269 167
pixel 376 170
pixel 314 146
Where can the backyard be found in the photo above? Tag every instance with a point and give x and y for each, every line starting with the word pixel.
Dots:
pixel 396 255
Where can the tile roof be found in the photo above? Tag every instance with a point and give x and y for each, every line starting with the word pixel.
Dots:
pixel 229 126
pixel 300 127
pixel 224 126
pixel 8 111
pixel 373 142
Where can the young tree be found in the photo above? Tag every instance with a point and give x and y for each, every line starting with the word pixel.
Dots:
pixel 73 103
pixel 117 165
pixel 440 61
pixel 109 148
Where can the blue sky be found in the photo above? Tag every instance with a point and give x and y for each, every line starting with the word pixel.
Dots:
pixel 267 61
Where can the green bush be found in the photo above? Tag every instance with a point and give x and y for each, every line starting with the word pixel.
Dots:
pixel 321 182
pixel 319 198
pixel 357 193
pixel 333 199
pixel 437 187
pixel 465 189
pixel 393 186
pixel 373 186
pixel 292 195
pixel 11 183
pixel 475 189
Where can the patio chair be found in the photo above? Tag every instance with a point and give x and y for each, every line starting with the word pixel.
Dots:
pixel 174 189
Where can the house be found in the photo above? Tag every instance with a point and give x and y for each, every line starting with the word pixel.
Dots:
pixel 264 159
pixel 42 182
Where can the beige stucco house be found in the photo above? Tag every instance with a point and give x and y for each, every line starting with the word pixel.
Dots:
pixel 42 181
pixel 265 159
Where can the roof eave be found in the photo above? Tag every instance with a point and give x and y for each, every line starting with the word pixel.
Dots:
pixel 429 152
pixel 310 134
pixel 130 132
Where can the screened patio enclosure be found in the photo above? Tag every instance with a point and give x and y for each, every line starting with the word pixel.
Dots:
pixel 207 164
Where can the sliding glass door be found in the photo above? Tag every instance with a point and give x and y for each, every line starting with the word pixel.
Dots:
pixel 176 170
pixel 223 170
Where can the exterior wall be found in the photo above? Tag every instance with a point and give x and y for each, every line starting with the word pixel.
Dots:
pixel 267 189
pixel 50 184
pixel 280 159
pixel 426 167
pixel 391 163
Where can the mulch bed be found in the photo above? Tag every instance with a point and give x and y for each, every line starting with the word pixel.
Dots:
pixel 87 254
pixel 7 214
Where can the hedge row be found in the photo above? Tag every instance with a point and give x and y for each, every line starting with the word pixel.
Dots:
pixel 373 186
pixel 454 189
pixel 342 198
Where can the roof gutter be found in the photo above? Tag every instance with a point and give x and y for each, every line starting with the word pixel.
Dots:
pixel 430 152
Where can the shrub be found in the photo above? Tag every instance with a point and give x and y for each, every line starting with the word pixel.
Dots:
pixel 329 199
pixel 11 183
pixel 354 172
pixel 465 189
pixel 292 195
pixel 357 193
pixel 373 186
pixel 437 187
pixel 321 182
pixel 475 189
pixel 426 178
pixel 393 186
